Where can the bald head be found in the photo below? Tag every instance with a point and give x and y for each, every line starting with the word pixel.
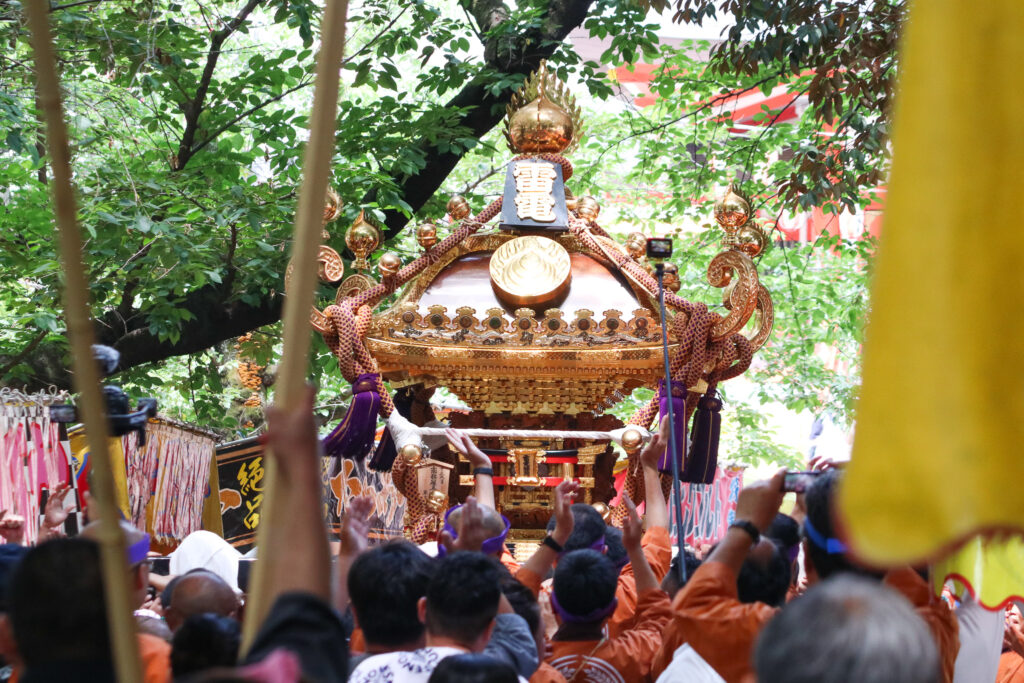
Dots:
pixel 200 592
pixel 493 522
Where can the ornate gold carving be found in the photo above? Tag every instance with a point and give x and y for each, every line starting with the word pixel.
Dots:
pixel 530 270
pixel 495 328
pixel 353 285
pixel 743 298
pixel 765 317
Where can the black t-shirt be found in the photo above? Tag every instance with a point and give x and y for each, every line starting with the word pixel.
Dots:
pixel 310 628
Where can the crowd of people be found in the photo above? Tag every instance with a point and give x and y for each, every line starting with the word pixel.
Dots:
pixel 777 599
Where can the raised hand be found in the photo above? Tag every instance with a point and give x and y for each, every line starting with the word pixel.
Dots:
pixel 565 495
pixel 54 514
pixel 355 526
pixel 655 448
pixel 12 527
pixel 759 502
pixel 472 533
pixel 632 526
pixel 464 445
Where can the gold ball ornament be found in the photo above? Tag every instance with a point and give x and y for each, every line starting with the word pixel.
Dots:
pixel 588 208
pixel 632 439
pixel 426 235
pixel 671 277
pixel 572 203
pixel 604 511
pixel 751 240
pixel 411 453
pixel 636 245
pixel 458 207
pixel 732 210
pixel 437 501
pixel 389 264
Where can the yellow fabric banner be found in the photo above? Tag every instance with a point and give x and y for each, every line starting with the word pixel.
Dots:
pixel 940 423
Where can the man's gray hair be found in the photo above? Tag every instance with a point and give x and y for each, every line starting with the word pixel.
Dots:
pixel 843 630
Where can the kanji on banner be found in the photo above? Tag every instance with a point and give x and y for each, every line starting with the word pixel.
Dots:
pixel 708 509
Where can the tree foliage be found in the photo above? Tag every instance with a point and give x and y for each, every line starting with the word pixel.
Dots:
pixel 188 120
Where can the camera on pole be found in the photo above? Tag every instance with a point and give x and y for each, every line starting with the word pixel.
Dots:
pixel 119 413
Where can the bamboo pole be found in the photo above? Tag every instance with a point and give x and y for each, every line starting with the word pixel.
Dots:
pixel 316 166
pixel 80 333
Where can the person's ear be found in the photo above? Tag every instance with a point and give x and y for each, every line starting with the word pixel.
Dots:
pixel 8 646
pixel 421 610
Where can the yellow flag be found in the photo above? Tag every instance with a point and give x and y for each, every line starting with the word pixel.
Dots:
pixel 939 449
pixel 991 570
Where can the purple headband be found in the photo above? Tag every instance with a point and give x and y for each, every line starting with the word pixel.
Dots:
pixel 491 545
pixel 832 546
pixel 598 614
pixel 138 551
pixel 599 545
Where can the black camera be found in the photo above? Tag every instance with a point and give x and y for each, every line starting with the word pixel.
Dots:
pixel 659 247
pixel 119 413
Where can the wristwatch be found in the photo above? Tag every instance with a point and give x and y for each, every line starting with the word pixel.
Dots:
pixel 749 527
pixel 553 544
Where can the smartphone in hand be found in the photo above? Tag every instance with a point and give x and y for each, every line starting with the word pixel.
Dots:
pixel 799 481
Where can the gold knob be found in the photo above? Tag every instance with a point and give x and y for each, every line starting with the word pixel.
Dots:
pixel 671 277
pixel 636 245
pixel 437 501
pixel 411 453
pixel 751 240
pixel 632 439
pixel 588 208
pixel 604 511
pixel 426 235
pixel 572 203
pixel 458 207
pixel 389 264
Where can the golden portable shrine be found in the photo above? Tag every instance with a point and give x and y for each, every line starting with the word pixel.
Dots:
pixel 539 321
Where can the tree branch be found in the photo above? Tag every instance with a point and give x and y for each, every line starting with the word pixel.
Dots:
pixel 481 109
pixel 11 364
pixel 195 107
pixel 246 114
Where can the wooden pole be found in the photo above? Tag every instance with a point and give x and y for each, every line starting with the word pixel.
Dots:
pixel 86 370
pixel 316 166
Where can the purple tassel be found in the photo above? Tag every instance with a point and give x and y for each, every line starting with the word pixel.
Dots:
pixel 679 426
pixel 707 425
pixel 353 437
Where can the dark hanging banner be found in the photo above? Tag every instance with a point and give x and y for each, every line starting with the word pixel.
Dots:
pixel 240 468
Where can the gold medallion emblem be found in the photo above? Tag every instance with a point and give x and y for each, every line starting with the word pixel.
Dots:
pixel 530 270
